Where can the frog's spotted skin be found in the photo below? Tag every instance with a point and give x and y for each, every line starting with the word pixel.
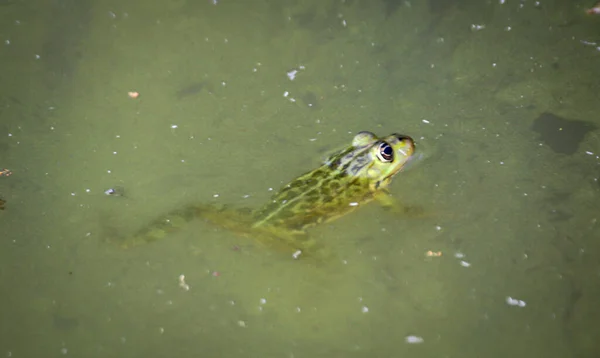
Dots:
pixel 349 178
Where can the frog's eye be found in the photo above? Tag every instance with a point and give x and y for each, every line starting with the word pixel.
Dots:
pixel 385 153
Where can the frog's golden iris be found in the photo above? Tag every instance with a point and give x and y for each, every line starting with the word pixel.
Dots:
pixel 348 179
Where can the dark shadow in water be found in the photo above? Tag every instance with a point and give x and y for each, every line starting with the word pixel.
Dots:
pixel 64 323
pixel 194 89
pixel 560 134
pixel 68 29
pixel 390 6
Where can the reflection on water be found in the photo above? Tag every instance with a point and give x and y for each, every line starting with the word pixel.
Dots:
pixel 498 96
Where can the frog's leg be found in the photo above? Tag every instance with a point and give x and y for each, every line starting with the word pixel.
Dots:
pixel 2 202
pixel 295 242
pixel 385 199
pixel 158 228
pixel 282 239
pixel 292 241
pixel 239 221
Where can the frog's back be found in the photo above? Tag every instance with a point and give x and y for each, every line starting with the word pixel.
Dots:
pixel 315 197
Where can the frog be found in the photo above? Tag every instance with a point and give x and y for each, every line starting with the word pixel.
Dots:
pixel 349 178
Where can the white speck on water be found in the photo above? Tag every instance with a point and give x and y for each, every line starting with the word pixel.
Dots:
pixel 515 302
pixel 414 339
pixel 292 74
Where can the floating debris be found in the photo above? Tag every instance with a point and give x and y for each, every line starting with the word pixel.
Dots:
pixel 184 286
pixel 414 339
pixel 465 263
pixel 433 253
pixel 5 173
pixel 116 191
pixel 515 302
pixel 593 10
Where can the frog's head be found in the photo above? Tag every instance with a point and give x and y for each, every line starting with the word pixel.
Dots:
pixel 387 156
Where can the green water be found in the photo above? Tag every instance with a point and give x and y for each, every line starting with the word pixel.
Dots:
pixel 511 216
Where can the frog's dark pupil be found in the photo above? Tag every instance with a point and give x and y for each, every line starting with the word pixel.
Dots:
pixel 386 151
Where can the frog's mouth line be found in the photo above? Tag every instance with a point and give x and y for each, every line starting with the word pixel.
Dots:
pixel 404 154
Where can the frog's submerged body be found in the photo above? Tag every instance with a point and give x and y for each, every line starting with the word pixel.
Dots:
pixel 349 178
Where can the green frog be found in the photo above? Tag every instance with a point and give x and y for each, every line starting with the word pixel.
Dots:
pixel 359 173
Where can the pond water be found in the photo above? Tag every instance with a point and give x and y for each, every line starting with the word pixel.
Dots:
pixel 181 102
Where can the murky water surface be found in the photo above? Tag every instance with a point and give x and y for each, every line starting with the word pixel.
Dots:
pixel 235 99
